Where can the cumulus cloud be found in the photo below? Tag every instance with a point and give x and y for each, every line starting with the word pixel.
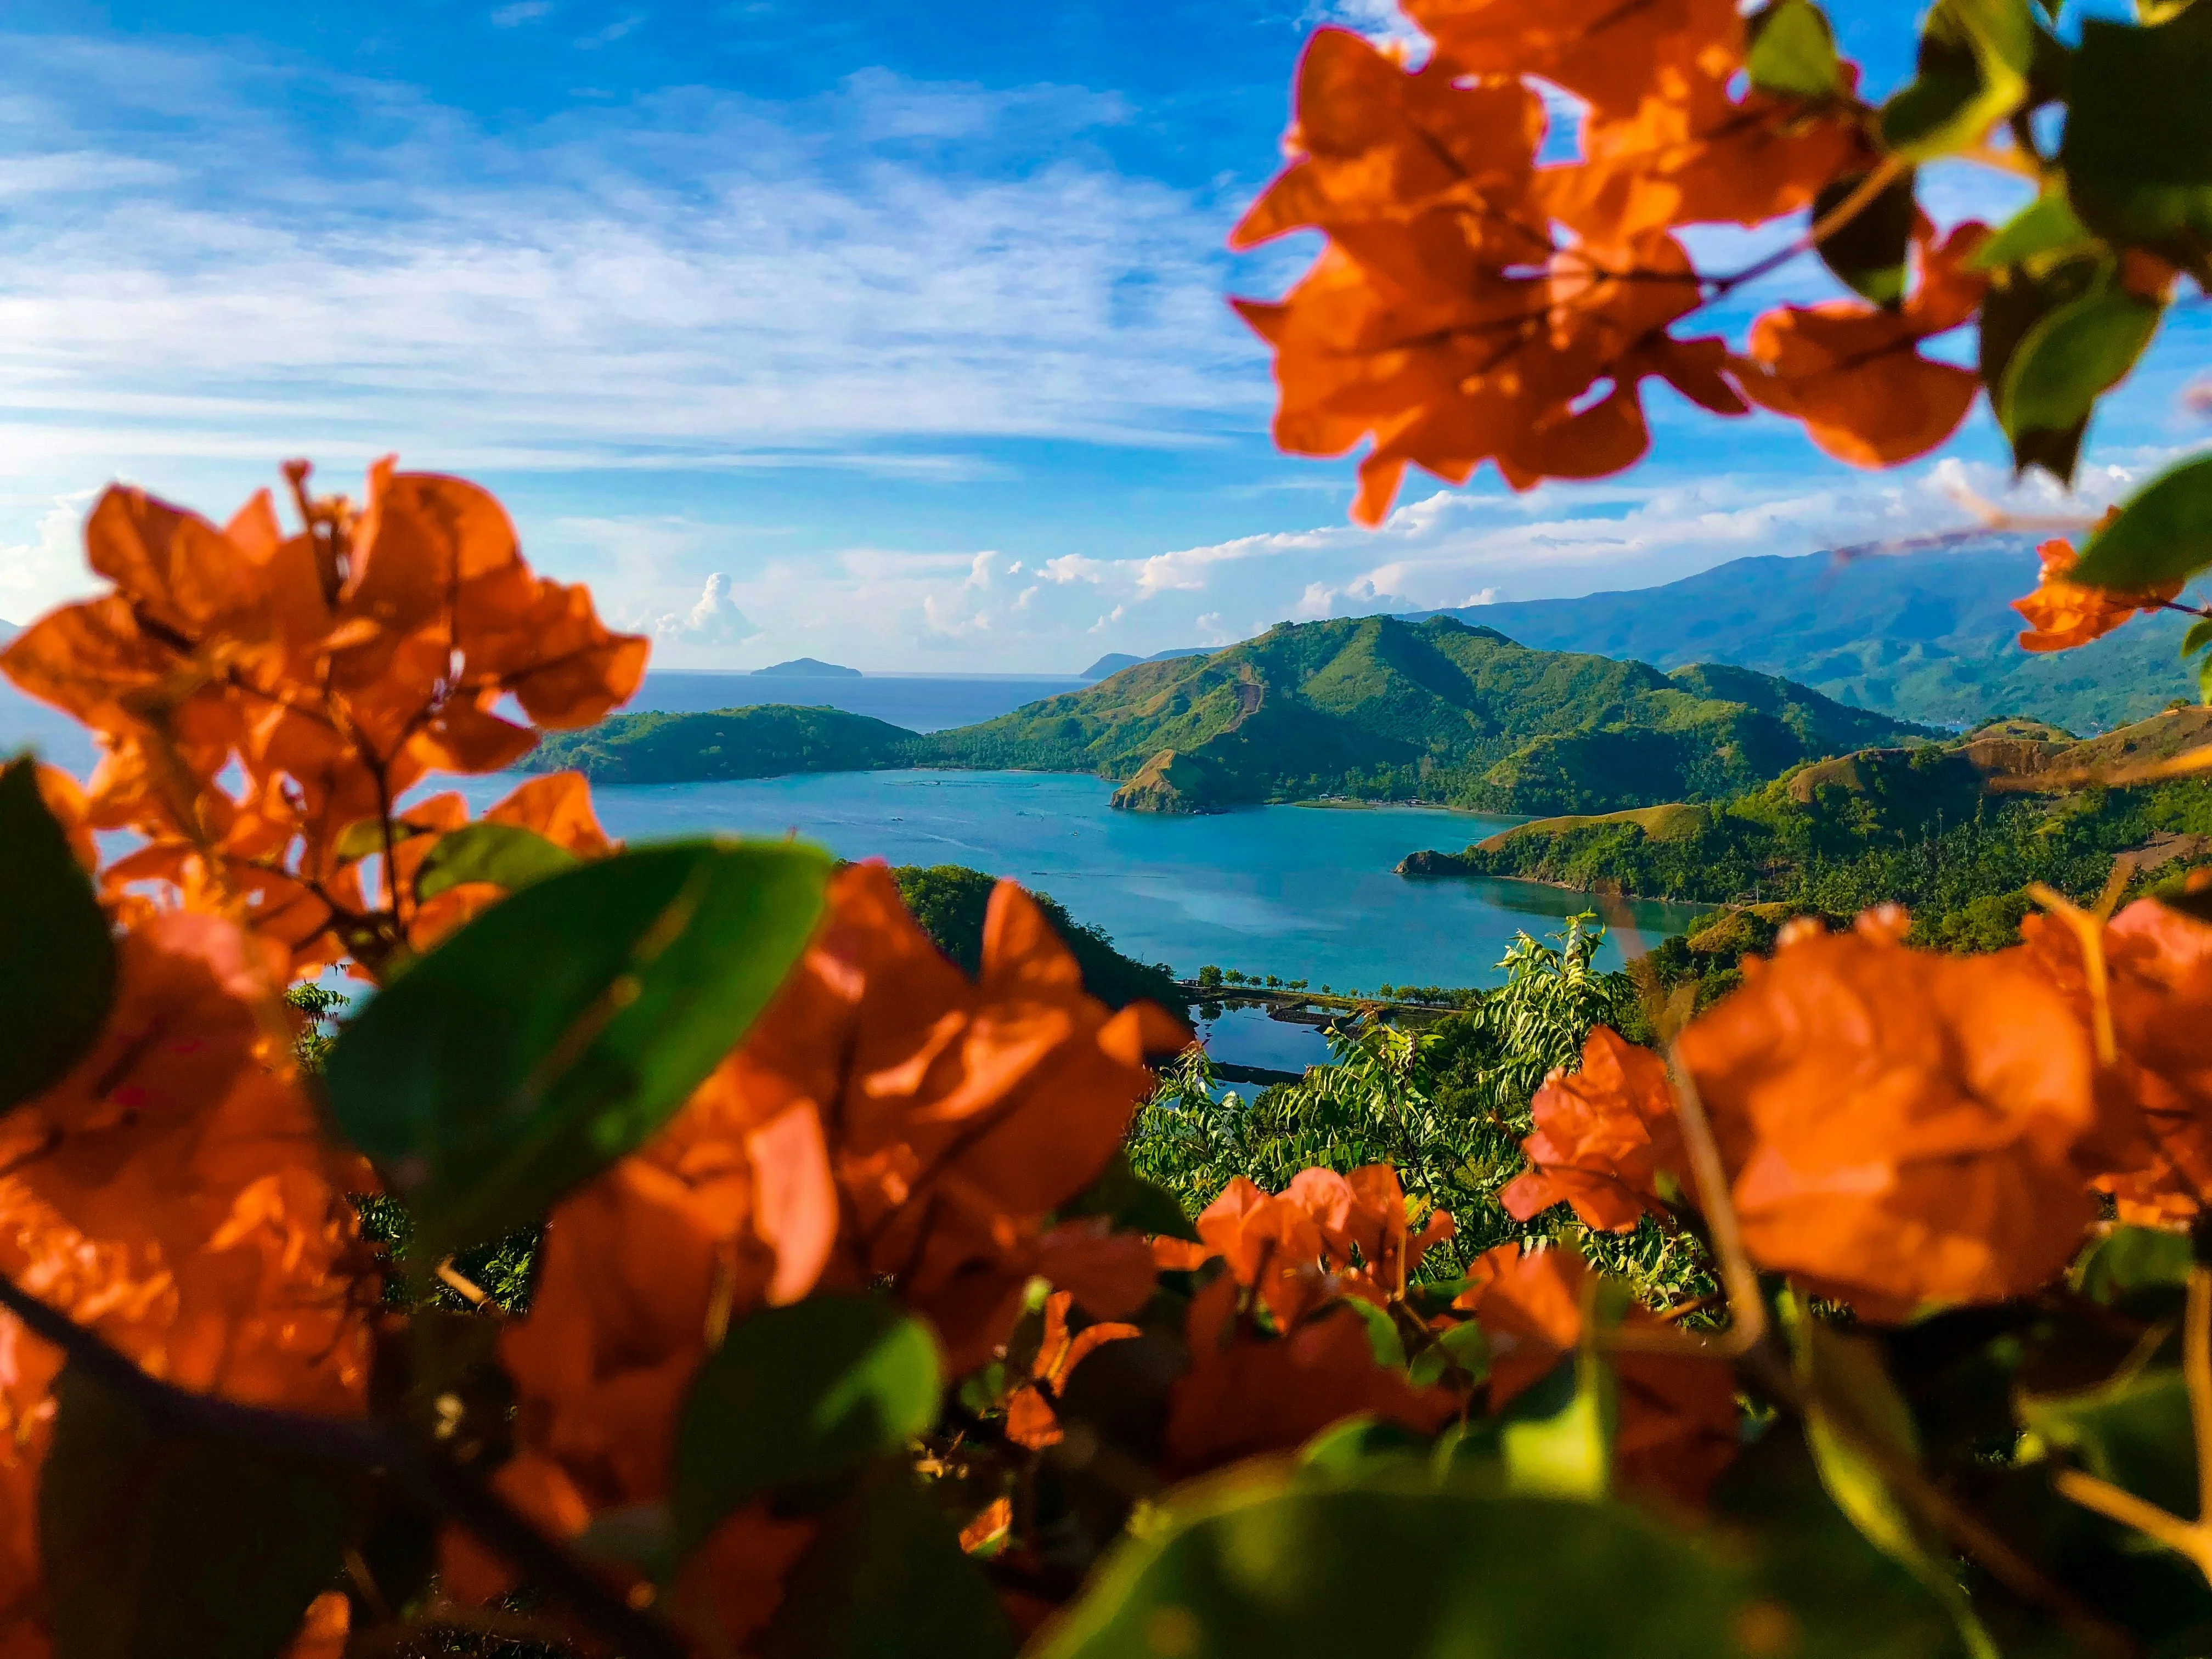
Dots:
pixel 711 619
pixel 40 573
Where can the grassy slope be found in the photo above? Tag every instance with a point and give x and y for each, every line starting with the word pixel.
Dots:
pixel 950 903
pixel 1436 710
pixel 1917 825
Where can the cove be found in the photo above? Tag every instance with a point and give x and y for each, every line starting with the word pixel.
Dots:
pixel 1303 892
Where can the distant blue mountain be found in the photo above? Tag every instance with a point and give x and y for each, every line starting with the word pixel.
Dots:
pixel 810 668
pixel 1114 661
pixel 1930 637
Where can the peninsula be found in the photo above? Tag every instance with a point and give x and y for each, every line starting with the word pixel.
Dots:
pixel 1372 708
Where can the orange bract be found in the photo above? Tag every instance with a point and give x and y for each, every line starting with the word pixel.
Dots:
pixel 2062 613
pixel 1603 1138
pixel 1902 1129
pixel 1854 373
pixel 1030 1421
pixel 334 669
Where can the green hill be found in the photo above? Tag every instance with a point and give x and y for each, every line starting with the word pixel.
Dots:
pixel 1921 826
pixel 762 741
pixel 1926 637
pixel 1435 710
pixel 950 901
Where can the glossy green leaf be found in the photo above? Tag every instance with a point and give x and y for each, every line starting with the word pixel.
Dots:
pixel 1134 1204
pixel 2198 637
pixel 796 1394
pixel 505 854
pixel 155 1545
pixel 2163 534
pixel 2069 358
pixel 884 1578
pixel 1353 1447
pixel 1972 72
pixel 2045 230
pixel 558 1029
pixel 1254 1562
pixel 1793 52
pixel 1867 252
pixel 2128 1260
pixel 2133 1432
pixel 57 956
pixel 2137 149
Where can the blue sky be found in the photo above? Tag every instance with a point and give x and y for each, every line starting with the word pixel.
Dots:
pixel 880 332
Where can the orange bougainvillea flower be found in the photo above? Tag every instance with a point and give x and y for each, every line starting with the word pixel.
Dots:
pixel 1030 1419
pixel 1246 1393
pixel 172 1194
pixel 2062 613
pixel 2157 1163
pixel 1368 1244
pixel 1854 373
pixel 1614 56
pixel 1902 1129
pixel 1679 1424
pixel 1604 1136
pixel 334 669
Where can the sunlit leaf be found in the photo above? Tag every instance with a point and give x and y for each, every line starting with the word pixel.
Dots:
pixel 557 1030
pixel 156 1545
pixel 2046 229
pixel 1564 1449
pixel 798 1393
pixel 2069 359
pixel 1972 72
pixel 2163 534
pixel 57 959
pixel 1793 52
pixel 504 854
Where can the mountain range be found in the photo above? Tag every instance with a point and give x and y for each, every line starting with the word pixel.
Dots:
pixel 1371 707
pixel 1114 661
pixel 1929 636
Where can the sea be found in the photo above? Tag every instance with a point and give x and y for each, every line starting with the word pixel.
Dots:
pixel 1298 891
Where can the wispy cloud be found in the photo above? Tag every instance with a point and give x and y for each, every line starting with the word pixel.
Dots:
pixel 520 12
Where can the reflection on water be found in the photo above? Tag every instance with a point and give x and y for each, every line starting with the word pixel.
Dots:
pixel 1247 1035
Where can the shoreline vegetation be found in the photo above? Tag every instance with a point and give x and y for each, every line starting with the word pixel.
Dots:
pixel 1370 709
pixel 1957 833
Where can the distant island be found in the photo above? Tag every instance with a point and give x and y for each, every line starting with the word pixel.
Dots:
pixel 1372 708
pixel 1114 661
pixel 810 668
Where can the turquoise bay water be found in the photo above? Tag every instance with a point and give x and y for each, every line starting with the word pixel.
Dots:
pixel 1303 892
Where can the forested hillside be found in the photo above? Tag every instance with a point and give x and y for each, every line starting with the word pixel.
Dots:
pixel 1928 636
pixel 1922 827
pixel 761 742
pixel 1437 710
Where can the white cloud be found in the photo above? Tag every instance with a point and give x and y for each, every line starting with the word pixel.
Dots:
pixel 41 573
pixel 521 11
pixel 1073 568
pixel 626 24
pixel 711 620
pixel 693 280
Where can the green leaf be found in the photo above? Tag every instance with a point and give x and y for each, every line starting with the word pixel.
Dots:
pixel 557 1030
pixel 1856 1415
pixel 2069 358
pixel 2133 1432
pixel 505 854
pixel 1134 1204
pixel 2137 149
pixel 1568 1452
pixel 1793 52
pixel 366 839
pixel 796 1394
pixel 155 1545
pixel 1867 254
pixel 1382 1338
pixel 884 1578
pixel 1462 1345
pixel 2046 230
pixel 1352 1447
pixel 57 956
pixel 1254 1562
pixel 1972 72
pixel 2163 534
pixel 2198 637
pixel 2132 1259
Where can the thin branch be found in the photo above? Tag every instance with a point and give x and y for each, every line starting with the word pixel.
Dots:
pixel 360 1443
